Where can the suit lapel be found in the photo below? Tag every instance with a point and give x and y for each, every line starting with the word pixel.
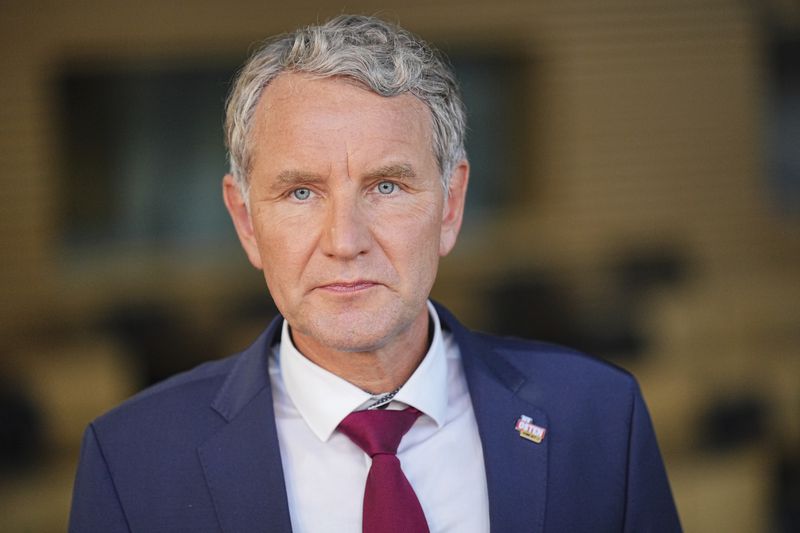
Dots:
pixel 516 468
pixel 242 462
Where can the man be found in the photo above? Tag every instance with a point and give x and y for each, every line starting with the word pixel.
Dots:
pixel 348 179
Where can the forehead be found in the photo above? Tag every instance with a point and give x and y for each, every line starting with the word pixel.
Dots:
pixel 298 109
pixel 293 92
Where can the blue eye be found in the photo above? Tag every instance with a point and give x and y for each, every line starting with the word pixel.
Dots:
pixel 386 187
pixel 302 193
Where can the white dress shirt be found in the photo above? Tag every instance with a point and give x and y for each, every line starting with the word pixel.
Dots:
pixel 325 472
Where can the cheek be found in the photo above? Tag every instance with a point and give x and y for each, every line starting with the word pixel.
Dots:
pixel 284 248
pixel 282 270
pixel 411 238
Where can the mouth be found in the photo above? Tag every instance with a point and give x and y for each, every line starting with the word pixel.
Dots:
pixel 348 286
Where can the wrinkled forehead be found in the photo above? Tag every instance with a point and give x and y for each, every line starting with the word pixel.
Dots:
pixel 294 98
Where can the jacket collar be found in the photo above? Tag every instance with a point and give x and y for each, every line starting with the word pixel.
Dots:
pixel 250 375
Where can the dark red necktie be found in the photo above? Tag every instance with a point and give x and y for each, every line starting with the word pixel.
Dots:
pixel 390 505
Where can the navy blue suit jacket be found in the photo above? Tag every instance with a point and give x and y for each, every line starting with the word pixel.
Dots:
pixel 199 452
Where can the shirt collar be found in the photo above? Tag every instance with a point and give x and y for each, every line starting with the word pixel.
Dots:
pixel 323 399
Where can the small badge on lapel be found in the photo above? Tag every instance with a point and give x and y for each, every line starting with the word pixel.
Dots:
pixel 528 430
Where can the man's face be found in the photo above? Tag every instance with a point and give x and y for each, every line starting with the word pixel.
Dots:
pixel 348 217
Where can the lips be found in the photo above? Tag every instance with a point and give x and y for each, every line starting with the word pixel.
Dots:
pixel 348 286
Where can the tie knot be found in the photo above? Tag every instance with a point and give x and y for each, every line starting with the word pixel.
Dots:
pixel 378 431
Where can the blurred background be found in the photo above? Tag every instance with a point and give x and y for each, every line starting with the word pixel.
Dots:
pixel 635 193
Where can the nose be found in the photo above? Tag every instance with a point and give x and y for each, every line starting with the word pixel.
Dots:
pixel 346 234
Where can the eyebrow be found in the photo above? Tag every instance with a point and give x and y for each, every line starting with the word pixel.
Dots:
pixel 288 178
pixel 395 170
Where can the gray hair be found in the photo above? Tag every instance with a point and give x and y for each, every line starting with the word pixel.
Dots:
pixel 378 55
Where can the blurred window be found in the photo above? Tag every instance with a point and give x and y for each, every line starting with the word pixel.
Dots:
pixel 783 122
pixel 143 155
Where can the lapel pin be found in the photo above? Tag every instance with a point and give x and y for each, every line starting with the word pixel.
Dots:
pixel 528 430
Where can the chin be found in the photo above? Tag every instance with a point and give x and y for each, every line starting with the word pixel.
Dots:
pixel 356 332
pixel 351 338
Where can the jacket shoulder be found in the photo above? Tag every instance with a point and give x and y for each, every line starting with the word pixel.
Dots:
pixel 179 396
pixel 557 372
pixel 537 356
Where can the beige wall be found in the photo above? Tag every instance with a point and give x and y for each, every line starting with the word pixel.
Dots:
pixel 645 123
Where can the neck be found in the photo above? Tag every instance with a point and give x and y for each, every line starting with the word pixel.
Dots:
pixel 375 371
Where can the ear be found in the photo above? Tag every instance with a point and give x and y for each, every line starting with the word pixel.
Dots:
pixel 453 210
pixel 240 214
